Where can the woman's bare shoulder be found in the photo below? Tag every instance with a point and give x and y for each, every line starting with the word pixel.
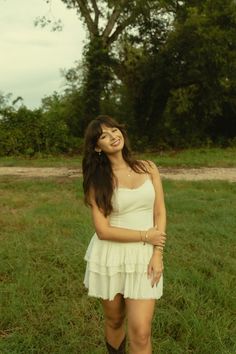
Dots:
pixel 149 165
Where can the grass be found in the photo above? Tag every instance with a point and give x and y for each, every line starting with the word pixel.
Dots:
pixel 47 161
pixel 45 230
pixel 212 157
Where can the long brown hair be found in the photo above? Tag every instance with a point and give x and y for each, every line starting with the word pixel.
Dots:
pixel 97 171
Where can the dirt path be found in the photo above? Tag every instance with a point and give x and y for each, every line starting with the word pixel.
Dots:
pixel 187 174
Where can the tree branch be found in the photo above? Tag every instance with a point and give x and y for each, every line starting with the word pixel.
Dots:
pixel 92 27
pixel 119 30
pixel 96 12
pixel 112 20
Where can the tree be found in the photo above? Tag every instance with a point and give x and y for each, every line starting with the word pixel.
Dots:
pixel 183 84
pixel 105 21
pixel 167 67
pixel 203 51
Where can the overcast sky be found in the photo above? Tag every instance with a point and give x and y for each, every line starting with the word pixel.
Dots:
pixel 31 57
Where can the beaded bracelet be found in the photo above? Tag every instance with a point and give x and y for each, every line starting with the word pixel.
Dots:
pixel 145 237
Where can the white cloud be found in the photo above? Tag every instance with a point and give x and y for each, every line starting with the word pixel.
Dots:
pixel 31 57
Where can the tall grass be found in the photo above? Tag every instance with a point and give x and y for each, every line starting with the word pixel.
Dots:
pixel 209 157
pixel 45 230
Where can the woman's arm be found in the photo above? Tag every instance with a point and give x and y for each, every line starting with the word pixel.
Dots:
pixel 155 266
pixel 107 232
pixel 159 215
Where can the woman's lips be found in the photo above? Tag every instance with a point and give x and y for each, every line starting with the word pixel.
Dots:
pixel 116 143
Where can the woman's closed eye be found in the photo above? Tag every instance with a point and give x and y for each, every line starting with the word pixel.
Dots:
pixel 102 137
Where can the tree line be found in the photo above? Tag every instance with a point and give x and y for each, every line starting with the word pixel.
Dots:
pixel 167 69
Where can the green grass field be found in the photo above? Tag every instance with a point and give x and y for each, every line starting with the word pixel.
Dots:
pixel 212 157
pixel 45 230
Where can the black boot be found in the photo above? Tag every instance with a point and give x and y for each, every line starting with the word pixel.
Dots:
pixel 120 350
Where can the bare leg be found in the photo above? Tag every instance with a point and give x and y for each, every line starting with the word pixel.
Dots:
pixel 140 314
pixel 114 312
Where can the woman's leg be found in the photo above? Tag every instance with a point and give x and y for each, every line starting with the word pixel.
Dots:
pixel 114 313
pixel 139 315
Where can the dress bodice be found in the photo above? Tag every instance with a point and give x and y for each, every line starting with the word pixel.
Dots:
pixel 133 208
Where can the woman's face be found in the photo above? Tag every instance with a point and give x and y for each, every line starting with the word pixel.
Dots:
pixel 110 141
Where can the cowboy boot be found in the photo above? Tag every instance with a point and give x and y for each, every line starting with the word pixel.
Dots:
pixel 120 350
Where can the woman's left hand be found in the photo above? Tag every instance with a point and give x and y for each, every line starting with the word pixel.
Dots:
pixel 155 268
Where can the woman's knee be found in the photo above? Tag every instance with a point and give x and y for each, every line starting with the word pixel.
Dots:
pixel 140 335
pixel 115 322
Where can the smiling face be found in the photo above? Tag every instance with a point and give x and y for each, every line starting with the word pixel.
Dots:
pixel 110 141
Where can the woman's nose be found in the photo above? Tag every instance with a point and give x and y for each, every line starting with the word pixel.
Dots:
pixel 112 135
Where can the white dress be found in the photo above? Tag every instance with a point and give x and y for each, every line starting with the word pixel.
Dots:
pixel 116 267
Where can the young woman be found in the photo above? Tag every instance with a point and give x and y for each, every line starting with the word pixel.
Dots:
pixel 125 255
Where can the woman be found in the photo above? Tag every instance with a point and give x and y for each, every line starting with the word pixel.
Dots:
pixel 124 257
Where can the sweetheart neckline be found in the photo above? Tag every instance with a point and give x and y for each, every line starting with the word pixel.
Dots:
pixel 134 189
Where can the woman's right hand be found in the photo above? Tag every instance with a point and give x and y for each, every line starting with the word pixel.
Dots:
pixel 156 237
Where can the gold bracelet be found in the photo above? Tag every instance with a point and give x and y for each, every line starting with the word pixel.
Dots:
pixel 145 239
pixel 140 233
pixel 159 248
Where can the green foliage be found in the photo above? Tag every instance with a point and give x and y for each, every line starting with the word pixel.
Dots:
pixel 25 131
pixel 66 108
pixel 105 22
pixel 97 76
pixel 182 85
pixel 201 54
pixel 56 25
pixel 165 68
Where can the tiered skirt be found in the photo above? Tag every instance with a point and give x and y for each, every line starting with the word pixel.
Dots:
pixel 115 267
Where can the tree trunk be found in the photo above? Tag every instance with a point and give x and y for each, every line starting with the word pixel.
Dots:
pixel 96 79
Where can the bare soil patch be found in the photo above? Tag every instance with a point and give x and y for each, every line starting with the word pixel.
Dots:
pixel 187 174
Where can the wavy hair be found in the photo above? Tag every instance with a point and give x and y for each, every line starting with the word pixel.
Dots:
pixel 97 170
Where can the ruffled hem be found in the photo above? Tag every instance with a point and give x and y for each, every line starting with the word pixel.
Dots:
pixel 131 285
pixel 109 258
pixel 121 268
